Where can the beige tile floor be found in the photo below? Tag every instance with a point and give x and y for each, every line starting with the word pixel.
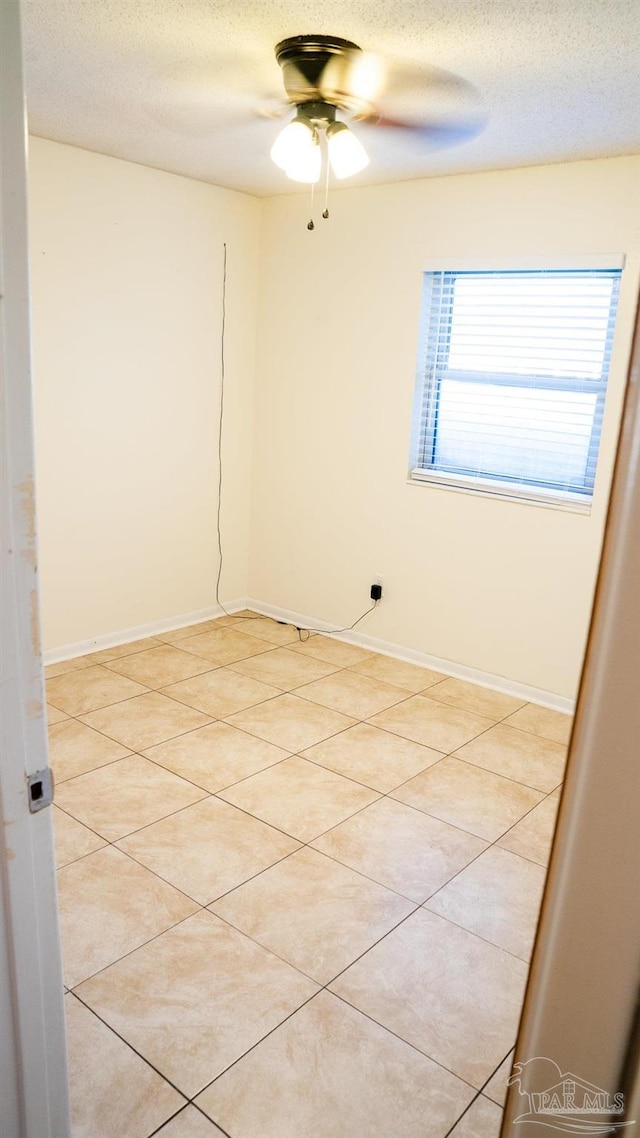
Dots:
pixel 299 884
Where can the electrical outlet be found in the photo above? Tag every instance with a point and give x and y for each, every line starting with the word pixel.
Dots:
pixel 377 588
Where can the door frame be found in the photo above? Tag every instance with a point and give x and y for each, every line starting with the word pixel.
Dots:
pixel 33 1066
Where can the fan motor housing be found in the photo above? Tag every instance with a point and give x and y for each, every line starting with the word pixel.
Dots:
pixel 317 69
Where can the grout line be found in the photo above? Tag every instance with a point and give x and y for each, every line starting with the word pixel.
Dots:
pixel 133 750
pixel 365 1015
pixel 458 825
pixel 101 766
pixel 453 754
pixel 320 853
pixel 226 663
pixel 165 683
pixel 475 766
pixel 126 1042
pixel 169 1120
pixel 366 785
pixel 227 786
pixel 473 932
pixel 112 845
pixel 204 1115
pixel 140 751
pixel 200 909
pixel 299 658
pixel 227 715
pixel 208 904
pixel 385 1027
pixel 89 711
pixel 533 861
pixel 258 1041
pixel 194 1106
pixel 479 1095
pixel 271 951
pixel 112 841
pixel 255 735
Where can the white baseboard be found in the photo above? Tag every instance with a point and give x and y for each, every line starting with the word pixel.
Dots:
pixel 139 632
pixel 384 647
pixel 526 692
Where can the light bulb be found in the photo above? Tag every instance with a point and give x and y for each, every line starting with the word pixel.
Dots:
pixel 305 165
pixel 295 138
pixel 346 153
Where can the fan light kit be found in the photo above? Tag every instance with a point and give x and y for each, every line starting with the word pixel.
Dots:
pixel 297 150
pixel 326 74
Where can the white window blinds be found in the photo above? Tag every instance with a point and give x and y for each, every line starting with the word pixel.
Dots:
pixel 512 379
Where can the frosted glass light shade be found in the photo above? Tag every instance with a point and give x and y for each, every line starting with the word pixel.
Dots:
pixel 305 167
pixel 293 140
pixel 346 153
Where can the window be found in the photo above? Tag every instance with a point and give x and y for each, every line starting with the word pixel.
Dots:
pixel 512 380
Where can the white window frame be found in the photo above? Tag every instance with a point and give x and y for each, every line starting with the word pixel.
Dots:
pixel 533 494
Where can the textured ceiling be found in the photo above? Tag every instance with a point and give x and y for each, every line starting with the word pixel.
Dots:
pixel 176 84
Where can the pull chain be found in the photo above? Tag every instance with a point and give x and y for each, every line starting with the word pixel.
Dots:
pixel 325 212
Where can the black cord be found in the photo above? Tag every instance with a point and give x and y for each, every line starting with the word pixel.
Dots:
pixel 300 630
pixel 220 422
pixel 331 631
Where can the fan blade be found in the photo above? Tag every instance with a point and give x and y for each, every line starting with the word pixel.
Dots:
pixel 273 108
pixel 438 107
pixel 408 76
pixel 417 93
pixel 195 96
pixel 354 79
pixel 440 134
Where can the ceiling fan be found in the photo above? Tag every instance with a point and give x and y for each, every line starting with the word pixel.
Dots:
pixel 330 84
pixel 326 76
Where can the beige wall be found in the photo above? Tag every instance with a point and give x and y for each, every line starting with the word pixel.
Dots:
pixel 126 281
pixel 502 587
pixel 126 287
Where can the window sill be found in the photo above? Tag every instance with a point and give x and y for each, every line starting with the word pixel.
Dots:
pixel 461 485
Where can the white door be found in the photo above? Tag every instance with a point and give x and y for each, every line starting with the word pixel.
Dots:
pixel 582 1008
pixel 33 1080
